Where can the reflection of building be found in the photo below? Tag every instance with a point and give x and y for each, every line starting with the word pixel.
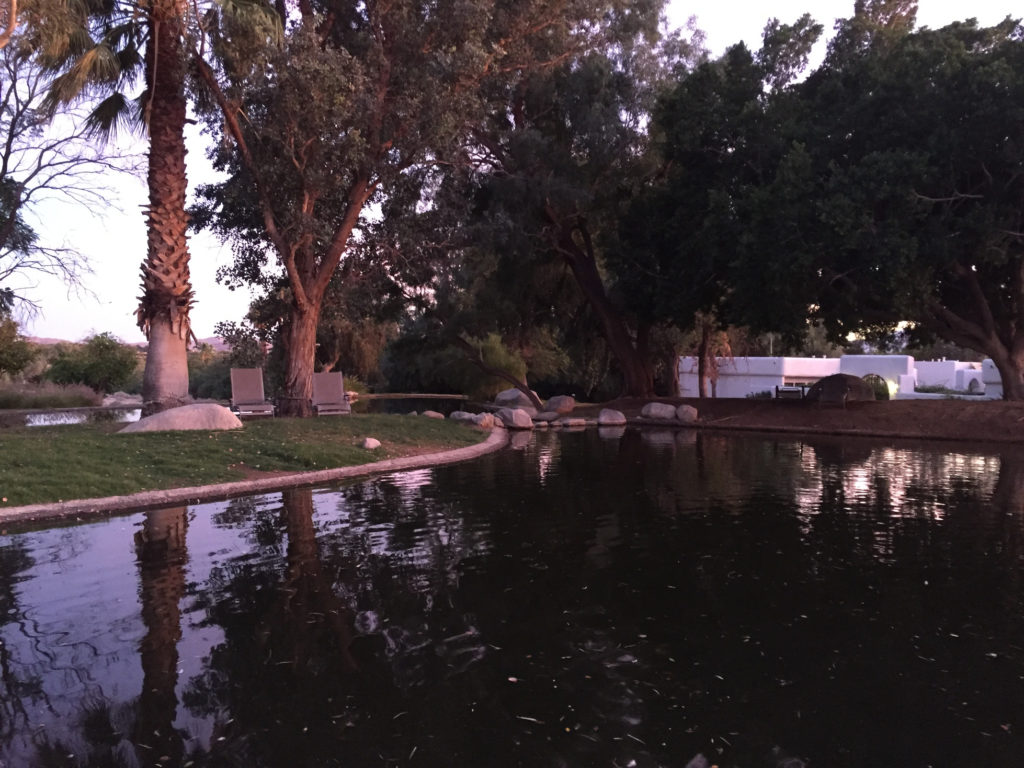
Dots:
pixel 746 376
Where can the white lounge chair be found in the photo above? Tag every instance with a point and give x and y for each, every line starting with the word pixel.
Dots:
pixel 329 393
pixel 247 396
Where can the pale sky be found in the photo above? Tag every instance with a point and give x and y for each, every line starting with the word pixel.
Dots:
pixel 115 245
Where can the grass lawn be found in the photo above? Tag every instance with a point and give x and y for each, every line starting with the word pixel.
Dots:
pixel 45 464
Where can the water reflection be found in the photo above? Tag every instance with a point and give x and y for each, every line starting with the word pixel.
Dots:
pixel 583 600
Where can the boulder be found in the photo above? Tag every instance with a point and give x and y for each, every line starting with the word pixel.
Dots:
pixel 561 404
pixel 660 411
pixel 204 416
pixel 433 415
pixel 484 420
pixel 546 416
pixel 839 389
pixel 515 418
pixel 609 417
pixel 687 414
pixel 573 422
pixel 371 443
pixel 462 416
pixel 512 398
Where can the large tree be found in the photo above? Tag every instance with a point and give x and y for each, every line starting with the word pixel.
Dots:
pixel 902 194
pixel 562 150
pixel 358 100
pixel 680 238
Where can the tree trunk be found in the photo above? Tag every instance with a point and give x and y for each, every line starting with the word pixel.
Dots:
pixel 637 376
pixel 702 364
pixel 167 296
pixel 300 357
pixel 1011 371
pixel 165 378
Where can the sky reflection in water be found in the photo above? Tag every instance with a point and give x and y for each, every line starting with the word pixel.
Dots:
pixel 590 598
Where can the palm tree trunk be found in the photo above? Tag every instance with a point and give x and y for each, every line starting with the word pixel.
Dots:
pixel 167 295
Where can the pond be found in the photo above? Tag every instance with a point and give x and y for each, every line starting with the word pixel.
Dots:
pixel 591 598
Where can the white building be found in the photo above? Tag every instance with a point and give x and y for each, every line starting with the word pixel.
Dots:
pixel 746 376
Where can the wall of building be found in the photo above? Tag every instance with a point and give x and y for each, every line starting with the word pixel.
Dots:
pixel 746 376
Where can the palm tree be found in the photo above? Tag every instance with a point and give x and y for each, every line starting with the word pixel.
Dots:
pixel 99 48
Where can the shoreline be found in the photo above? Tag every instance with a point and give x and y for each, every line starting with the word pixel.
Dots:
pixel 995 424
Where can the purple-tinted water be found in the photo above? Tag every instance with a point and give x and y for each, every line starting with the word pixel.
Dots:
pixel 589 599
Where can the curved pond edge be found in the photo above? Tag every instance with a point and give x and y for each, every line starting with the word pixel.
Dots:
pixel 81 508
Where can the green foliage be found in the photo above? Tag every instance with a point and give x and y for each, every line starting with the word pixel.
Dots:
pixel 209 374
pixel 101 362
pixel 15 350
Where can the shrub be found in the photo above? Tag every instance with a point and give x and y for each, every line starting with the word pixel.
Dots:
pixel 47 395
pixel 209 374
pixel 102 362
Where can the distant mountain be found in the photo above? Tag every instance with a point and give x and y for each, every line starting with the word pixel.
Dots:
pixel 216 342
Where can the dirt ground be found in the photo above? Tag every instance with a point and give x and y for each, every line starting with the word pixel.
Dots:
pixel 961 420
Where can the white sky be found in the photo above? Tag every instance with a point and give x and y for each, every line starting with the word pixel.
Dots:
pixel 115 245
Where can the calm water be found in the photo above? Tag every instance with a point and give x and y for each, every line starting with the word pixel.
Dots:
pixel 584 600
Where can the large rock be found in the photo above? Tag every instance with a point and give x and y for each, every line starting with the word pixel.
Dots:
pixel 839 389
pixel 515 418
pixel 512 398
pixel 204 416
pixel 686 414
pixel 609 417
pixel 660 411
pixel 433 415
pixel 546 416
pixel 371 443
pixel 561 404
pixel 462 416
pixel 570 422
pixel 484 420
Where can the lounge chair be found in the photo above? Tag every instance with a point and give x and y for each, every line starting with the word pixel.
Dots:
pixel 247 397
pixel 329 393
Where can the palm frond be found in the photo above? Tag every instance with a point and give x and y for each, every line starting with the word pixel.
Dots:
pixel 114 114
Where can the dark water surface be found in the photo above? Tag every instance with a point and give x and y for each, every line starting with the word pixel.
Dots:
pixel 586 600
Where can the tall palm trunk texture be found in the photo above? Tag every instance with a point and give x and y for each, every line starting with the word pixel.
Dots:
pixel 167 295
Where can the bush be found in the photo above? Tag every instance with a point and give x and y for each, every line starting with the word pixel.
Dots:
pixel 102 362
pixel 209 374
pixel 47 395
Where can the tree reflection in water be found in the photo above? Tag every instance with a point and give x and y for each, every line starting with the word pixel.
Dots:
pixel 583 600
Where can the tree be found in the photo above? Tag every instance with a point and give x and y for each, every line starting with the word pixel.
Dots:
pixel 352 105
pixel 561 152
pixel 99 49
pixel 682 235
pixel 15 350
pixel 911 168
pixel 40 160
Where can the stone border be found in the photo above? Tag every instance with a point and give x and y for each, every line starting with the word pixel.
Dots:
pixel 147 499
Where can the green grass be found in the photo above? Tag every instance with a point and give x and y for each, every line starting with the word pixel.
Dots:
pixel 46 464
